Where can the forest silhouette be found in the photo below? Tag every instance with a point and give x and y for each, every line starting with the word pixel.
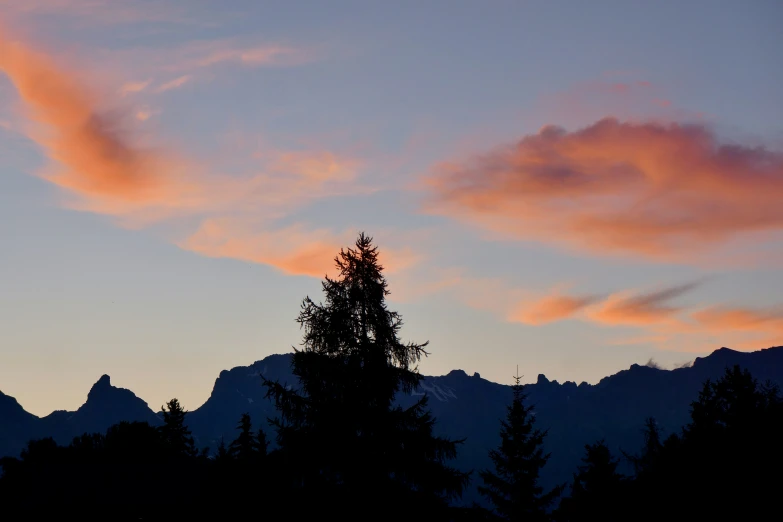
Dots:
pixel 340 447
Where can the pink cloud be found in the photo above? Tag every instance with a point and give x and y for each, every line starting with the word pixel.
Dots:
pixel 640 309
pixel 724 318
pixel 294 250
pixel 551 308
pixel 657 192
pixel 93 154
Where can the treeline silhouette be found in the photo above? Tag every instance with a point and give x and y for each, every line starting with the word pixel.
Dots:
pixel 344 450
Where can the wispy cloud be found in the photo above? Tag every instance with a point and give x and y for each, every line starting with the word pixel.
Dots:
pixel 176 83
pixel 99 157
pixel 195 55
pixel 764 325
pixel 295 249
pixel 657 192
pixel 250 56
pixel 640 309
pixel 550 308
pixel 93 155
pixel 170 68
pixel 133 87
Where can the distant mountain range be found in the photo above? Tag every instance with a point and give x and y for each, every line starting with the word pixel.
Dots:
pixel 465 407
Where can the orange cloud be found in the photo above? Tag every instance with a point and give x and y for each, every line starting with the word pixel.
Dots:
pixel 294 250
pixel 550 308
pixel 662 192
pixel 93 155
pixel 641 309
pixel 723 318
pixel 734 326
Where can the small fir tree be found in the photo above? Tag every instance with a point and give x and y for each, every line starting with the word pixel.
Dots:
pixel 513 488
pixel 244 446
pixel 175 433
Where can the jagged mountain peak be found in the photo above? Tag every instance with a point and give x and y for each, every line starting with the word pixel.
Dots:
pixel 457 373
pixel 101 385
pixel 107 404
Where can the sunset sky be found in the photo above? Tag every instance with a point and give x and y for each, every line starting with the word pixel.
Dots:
pixel 567 189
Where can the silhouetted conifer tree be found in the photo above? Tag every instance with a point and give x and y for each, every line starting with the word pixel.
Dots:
pixel 244 446
pixel 222 453
pixel 175 433
pixel 651 449
pixel 261 444
pixel 597 492
pixel 513 488
pixel 348 444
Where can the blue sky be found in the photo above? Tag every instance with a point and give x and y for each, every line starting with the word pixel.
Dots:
pixel 176 176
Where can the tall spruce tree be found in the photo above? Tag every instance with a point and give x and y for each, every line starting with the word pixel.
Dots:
pixel 513 488
pixel 352 449
pixel 175 432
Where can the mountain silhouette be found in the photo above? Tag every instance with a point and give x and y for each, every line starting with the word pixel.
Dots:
pixel 106 405
pixel 466 406
pixel 16 425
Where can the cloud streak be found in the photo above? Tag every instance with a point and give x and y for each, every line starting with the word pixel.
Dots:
pixel 651 191
pixel 196 55
pixel 133 87
pixel 640 309
pixel 176 83
pixel 294 250
pixel 661 323
pixel 551 308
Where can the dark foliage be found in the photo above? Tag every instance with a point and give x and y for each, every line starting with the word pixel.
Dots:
pixel 349 447
pixel 513 487
pixel 724 463
pixel 174 432
pixel 597 491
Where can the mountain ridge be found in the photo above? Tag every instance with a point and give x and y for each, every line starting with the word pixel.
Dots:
pixel 465 406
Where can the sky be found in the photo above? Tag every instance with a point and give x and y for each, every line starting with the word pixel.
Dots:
pixel 567 189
